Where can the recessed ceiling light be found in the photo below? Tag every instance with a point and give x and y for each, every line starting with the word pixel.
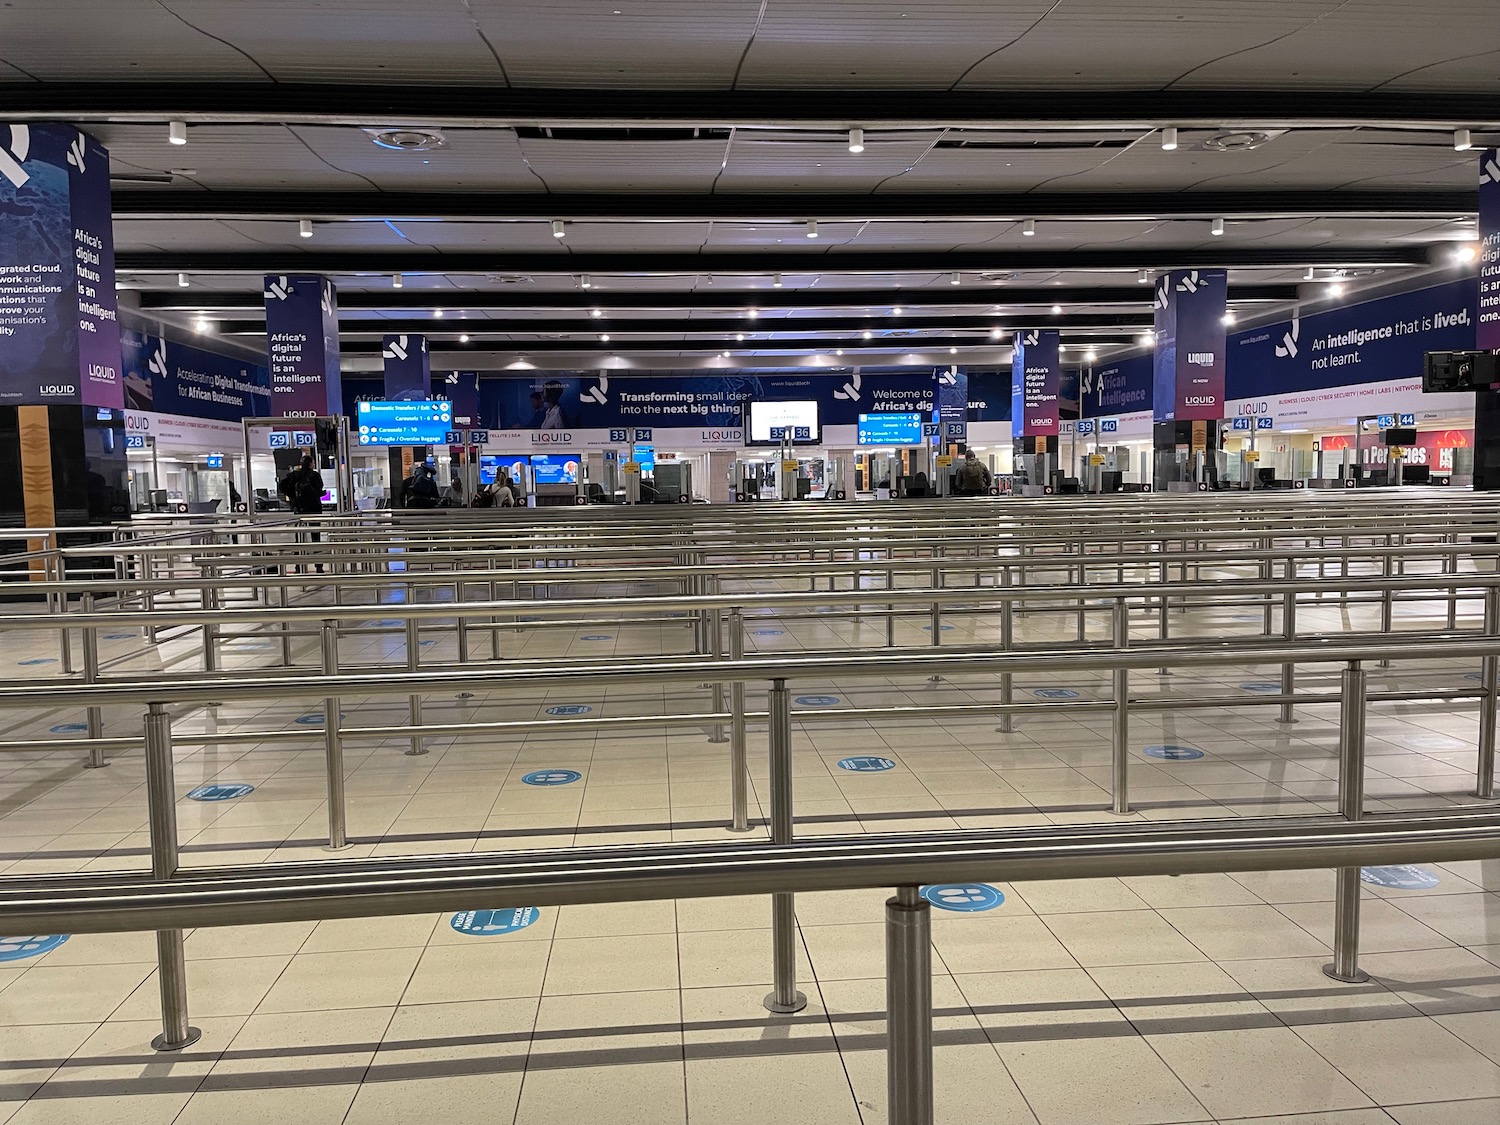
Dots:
pixel 856 140
pixel 1028 228
pixel 752 313
pixel 838 351
pixel 952 351
pixel 1169 138
pixel 725 353
pixel 1465 254
pixel 596 313
pixel 1335 288
pixel 559 228
pixel 812 228
pixel 304 228
pixel 897 311
pixel 604 337
pixel 1216 227
pixel 202 324
pixel 739 337
pixel 996 333
pixel 1090 356
pixel 177 132
pixel 408 140
pixel 956 279
pixel 775 281
pixel 584 282
pixel 1146 339
pixel 1229 318
pixel 438 313
pixel 1056 310
pixel 1463 140
pixel 464 339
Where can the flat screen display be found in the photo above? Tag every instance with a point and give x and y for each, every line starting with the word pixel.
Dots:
pixel 769 423
pixel 645 457
pixel 491 464
pixel 419 422
pixel 554 468
pixel 890 429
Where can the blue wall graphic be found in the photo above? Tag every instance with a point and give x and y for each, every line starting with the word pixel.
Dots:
pixel 173 378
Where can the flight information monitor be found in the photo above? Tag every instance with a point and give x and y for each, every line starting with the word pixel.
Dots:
pixel 419 422
pixel 890 429
pixel 771 423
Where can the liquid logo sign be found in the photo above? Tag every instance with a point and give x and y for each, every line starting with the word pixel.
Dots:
pixel 1201 359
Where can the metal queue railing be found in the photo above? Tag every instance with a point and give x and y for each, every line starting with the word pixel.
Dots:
pixel 171 899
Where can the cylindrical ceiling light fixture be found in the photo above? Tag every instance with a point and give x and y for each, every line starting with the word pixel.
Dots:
pixel 1463 140
pixel 1028 228
pixel 304 228
pixel 775 281
pixel 856 140
pixel 182 281
pixel 956 279
pixel 1216 228
pixel 584 282
pixel 812 228
pixel 396 281
pixel 177 132
pixel 1169 138
pixel 559 228
pixel 1143 278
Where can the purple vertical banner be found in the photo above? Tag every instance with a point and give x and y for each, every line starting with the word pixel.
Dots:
pixel 303 341
pixel 1190 346
pixel 1487 336
pixel 408 368
pixel 59 326
pixel 953 404
pixel 461 388
pixel 1035 380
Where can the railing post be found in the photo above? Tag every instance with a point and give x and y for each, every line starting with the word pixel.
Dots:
pixel 1345 966
pixel 1485 782
pixel 1387 596
pixel 333 741
pixel 1289 632
pixel 716 642
pixel 413 662
pixel 784 997
pixel 58 603
pixel 1450 567
pixel 1163 609
pixel 1007 638
pixel 908 1008
pixel 739 767
pixel 161 803
pixel 1120 741
pixel 283 624
pixel 95 714
pixel 937 618
pixel 890 609
pixel 208 602
pixel 460 595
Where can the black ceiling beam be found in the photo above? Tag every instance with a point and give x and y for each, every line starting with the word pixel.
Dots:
pixel 757 262
pixel 525 297
pixel 457 106
pixel 448 326
pixel 789 207
pixel 454 351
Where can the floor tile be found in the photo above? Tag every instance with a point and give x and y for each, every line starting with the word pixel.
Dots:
pixel 1404 1060
pixel 1125 937
pixel 1087 1081
pixel 372 978
pixel 487 969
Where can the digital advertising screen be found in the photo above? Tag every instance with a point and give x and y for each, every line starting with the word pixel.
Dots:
pixel 491 464
pixel 769 423
pixel 418 422
pixel 645 457
pixel 554 468
pixel 890 429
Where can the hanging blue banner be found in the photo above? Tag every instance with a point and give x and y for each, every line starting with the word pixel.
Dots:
pixel 1370 342
pixel 1488 335
pixel 1190 346
pixel 302 335
pixel 989 394
pixel 1120 387
pixel 173 378
pixel 408 368
pixel 953 404
pixel 59 325
pixel 1034 384
pixel 461 388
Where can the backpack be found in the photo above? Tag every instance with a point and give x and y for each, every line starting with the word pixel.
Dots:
pixel 972 476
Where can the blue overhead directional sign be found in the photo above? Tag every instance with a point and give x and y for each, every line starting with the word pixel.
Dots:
pixel 1243 423
pixel 277 439
pixel 1109 425
pixel 479 437
pixel 1085 426
pixel 304 439
pixel 406 422
pixel 1406 419
pixel 1264 423
pixel 1385 421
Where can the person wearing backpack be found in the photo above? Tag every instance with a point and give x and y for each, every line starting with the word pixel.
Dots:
pixel 973 476
pixel 303 489
pixel 421 488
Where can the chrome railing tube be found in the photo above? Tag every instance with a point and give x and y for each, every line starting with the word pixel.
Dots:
pixel 908 1008
pixel 1120 735
pixel 739 766
pixel 1007 639
pixel 95 713
pixel 1289 634
pixel 161 801
pixel 1489 671
pixel 333 744
pixel 1345 966
pixel 783 997
pixel 716 648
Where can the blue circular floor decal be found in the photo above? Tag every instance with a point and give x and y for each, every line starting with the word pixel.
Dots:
pixel 1473 676
pixel 1402 877
pixel 68 728
pixel 1054 693
pixel 424 644
pixel 597 637
pixel 967 898
pixel 866 764
pixel 119 636
pixel 928 628
pixel 388 623
pixel 768 632
pixel 1174 753
pixel 225 792
pixel 20 948
pixel 570 709
pixel 38 660
pixel 1262 687
pixel 817 701
pixel 551 777
pixel 488 923
pixel 1434 742
pixel 315 719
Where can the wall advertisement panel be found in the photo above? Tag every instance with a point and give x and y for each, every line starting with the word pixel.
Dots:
pixel 168 377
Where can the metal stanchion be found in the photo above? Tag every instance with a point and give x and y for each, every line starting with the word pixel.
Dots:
pixel 53 570
pixel 908 1008
pixel 1288 631
pixel 1120 744
pixel 716 641
pixel 161 801
pixel 95 714
pixel 1163 615
pixel 1450 567
pixel 208 600
pixel 739 767
pixel 890 611
pixel 936 623
pixel 459 593
pixel 1345 966
pixel 333 742
pixel 1484 785
pixel 784 997
pixel 413 661
pixel 1007 636
pixel 283 624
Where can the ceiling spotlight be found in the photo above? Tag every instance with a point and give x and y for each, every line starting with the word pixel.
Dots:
pixel 752 313
pixel 396 281
pixel 604 337
pixel 952 351
pixel 838 351
pixel 1463 140
pixel 1335 288
pixel 1310 275
pixel 1465 254
pixel 304 228
pixel 596 313
pixel 775 281
pixel 177 132
pixel 1090 356
pixel 725 354
pixel 1056 310
pixel 1217 228
pixel 867 334
pixel 1143 278
pixel 812 228
pixel 1229 318
pixel 897 311
pixel 996 333
pixel 1146 339
pixel 438 313
pixel 1169 138
pixel 956 279
pixel 739 337
pixel 558 229
pixel 1028 228
pixel 856 140
pixel 202 324
pixel 464 339
pixel 584 282
pixel 182 281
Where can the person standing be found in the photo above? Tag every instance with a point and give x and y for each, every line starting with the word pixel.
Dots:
pixel 973 476
pixel 303 489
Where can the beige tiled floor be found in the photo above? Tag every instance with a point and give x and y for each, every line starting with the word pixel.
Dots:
pixel 1154 1000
